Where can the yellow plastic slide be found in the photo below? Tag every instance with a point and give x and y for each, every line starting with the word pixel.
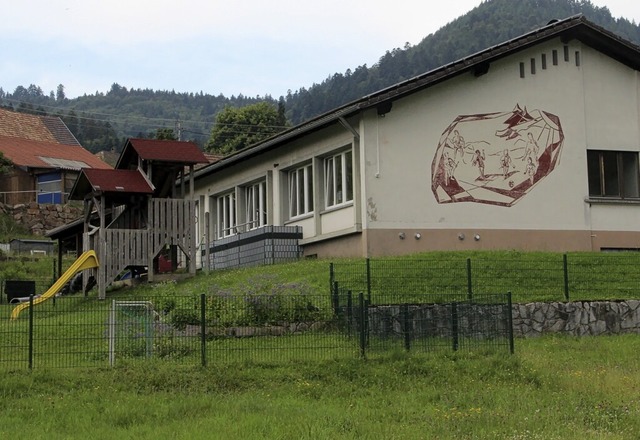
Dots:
pixel 88 260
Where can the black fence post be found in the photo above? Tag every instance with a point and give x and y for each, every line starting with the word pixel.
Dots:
pixel 368 279
pixel 349 312
pixel 30 332
pixel 335 298
pixel 406 327
pixel 363 326
pixel 203 330
pixel 454 325
pixel 331 276
pixel 565 267
pixel 510 322
pixel 469 280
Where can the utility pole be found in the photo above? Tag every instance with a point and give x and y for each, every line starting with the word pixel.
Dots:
pixel 179 129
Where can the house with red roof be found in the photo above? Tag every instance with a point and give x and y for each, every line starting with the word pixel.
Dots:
pixel 46 158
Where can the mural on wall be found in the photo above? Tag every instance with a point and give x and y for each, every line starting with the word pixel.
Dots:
pixel 495 158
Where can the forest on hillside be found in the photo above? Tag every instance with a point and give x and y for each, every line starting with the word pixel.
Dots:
pixel 102 121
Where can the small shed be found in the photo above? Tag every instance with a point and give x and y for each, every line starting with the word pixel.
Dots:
pixel 31 246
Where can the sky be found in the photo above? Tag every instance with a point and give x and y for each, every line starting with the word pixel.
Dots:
pixel 249 47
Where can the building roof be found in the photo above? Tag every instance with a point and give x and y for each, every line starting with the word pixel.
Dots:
pixel 34 127
pixel 44 154
pixel 177 152
pixel 575 27
pixel 109 181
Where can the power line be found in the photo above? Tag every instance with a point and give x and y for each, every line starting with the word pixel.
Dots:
pixel 141 120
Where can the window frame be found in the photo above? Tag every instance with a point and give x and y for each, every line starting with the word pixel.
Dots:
pixel 338 179
pixel 622 183
pixel 49 188
pixel 256 206
pixel 226 214
pixel 300 188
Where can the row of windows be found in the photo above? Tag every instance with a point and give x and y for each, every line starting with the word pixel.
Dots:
pixel 614 174
pixel 338 190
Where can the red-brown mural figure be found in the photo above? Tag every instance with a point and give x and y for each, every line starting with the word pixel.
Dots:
pixel 495 158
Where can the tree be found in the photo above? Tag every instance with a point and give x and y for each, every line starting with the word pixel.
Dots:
pixel 166 134
pixel 237 128
pixel 60 96
pixel 5 164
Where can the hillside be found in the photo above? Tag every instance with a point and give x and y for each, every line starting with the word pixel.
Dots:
pixel 101 121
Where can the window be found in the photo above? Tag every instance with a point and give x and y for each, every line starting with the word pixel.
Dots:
pixel 338 175
pixel 300 191
pixel 49 188
pixel 613 174
pixel 226 215
pixel 543 61
pixel 256 205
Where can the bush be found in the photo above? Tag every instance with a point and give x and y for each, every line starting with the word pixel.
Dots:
pixel 262 300
pixel 271 302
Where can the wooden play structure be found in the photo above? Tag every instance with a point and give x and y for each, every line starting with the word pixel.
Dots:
pixel 138 214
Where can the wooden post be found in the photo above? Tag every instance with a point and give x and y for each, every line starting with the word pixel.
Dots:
pixel 102 254
pixel 205 265
pixel 151 226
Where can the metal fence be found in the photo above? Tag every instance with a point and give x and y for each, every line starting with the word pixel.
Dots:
pixel 217 328
pixel 561 277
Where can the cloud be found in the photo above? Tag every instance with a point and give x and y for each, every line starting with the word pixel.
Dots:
pixel 244 46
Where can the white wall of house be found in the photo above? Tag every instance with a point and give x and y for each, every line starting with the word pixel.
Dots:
pixel 398 155
pixel 597 105
pixel 275 167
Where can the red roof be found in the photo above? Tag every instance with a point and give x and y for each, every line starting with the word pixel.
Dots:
pixel 35 128
pixel 121 181
pixel 40 154
pixel 181 152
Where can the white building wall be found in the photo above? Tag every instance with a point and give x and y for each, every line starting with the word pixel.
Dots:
pixel 274 167
pixel 596 103
pixel 595 99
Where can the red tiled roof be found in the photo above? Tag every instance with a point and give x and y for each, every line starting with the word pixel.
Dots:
pixel 40 154
pixel 36 128
pixel 122 181
pixel 165 151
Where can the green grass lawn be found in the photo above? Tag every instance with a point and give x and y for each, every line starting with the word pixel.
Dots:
pixel 552 388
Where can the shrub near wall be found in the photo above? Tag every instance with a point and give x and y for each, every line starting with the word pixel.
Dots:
pixel 584 318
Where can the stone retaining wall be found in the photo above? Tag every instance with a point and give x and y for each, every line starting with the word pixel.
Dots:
pixel 580 318
pixel 41 218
